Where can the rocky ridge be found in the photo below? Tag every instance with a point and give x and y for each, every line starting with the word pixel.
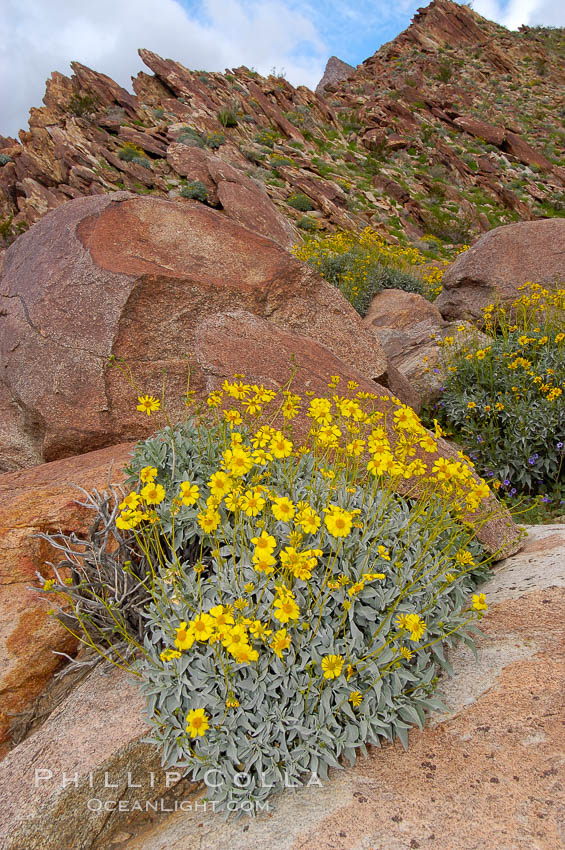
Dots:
pixel 452 128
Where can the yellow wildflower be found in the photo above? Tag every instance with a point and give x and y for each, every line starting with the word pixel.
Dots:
pixel 189 493
pixel 286 609
pixel 283 509
pixel 279 642
pixel 148 404
pixel 130 502
pixel 185 636
pixel 416 626
pixel 153 493
pixel 338 522
pixel 220 483
pixel 279 446
pixel 169 654
pixel 264 543
pixel 197 722
pixel 233 416
pixel 332 666
pixel 355 698
pixel 252 503
pixel 479 602
pixel 264 562
pixel 259 630
pixel 209 521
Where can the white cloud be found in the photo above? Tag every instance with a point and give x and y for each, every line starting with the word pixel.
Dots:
pixel 37 37
pixel 515 13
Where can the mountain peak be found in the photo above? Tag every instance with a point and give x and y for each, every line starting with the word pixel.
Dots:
pixel 335 71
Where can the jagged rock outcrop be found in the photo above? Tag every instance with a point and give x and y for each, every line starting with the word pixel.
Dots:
pixel 448 130
pixel 499 263
pixel 335 71
pixel 93 137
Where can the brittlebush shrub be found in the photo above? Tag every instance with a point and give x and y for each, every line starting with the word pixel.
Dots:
pixel 297 606
pixel 363 264
pixel 504 400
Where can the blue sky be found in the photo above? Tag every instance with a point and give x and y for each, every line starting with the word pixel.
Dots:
pixel 297 36
pixel 351 30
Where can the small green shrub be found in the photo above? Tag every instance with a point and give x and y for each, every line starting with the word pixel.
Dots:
pixel 141 160
pixel 373 162
pixel 5 159
pixel 214 140
pixel 82 104
pixel 277 160
pixel 445 72
pixel 361 265
pixel 350 122
pixel 300 202
pixel 307 223
pixel 196 190
pixel 324 168
pixel 190 137
pixel 389 277
pixel 6 227
pixel 227 118
pixel 132 153
pixel 301 117
pixel 253 155
pixel 267 137
pixel 447 226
